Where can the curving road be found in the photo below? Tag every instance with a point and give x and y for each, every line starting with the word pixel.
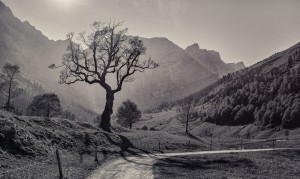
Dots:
pixel 136 167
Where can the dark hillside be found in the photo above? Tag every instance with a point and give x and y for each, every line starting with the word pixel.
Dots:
pixel 22 135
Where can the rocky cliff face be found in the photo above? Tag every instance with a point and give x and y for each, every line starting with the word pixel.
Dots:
pixel 212 60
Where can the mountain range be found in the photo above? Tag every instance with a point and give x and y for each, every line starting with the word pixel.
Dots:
pixel 181 72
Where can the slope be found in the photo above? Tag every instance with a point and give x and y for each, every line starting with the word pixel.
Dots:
pixel 266 94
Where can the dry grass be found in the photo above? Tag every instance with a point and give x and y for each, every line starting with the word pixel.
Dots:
pixel 27 146
pixel 46 167
pixel 150 140
pixel 271 164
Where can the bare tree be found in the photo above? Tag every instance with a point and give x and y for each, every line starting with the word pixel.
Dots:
pixel 110 54
pixel 8 86
pixel 186 112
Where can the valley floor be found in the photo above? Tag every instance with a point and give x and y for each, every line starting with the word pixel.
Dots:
pixel 27 149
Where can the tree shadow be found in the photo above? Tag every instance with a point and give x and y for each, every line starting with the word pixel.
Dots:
pixel 127 149
pixel 186 166
pixel 126 146
pixel 196 138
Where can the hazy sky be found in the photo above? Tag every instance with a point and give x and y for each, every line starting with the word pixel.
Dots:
pixel 239 29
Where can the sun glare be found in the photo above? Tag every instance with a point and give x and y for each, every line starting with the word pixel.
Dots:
pixel 64 4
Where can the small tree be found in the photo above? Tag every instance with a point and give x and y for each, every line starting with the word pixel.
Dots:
pixel 68 115
pixel 186 112
pixel 290 62
pixel 47 105
pixel 87 140
pixel 128 114
pixel 287 133
pixel 8 85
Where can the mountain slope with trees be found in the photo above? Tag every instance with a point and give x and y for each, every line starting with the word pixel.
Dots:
pixel 266 94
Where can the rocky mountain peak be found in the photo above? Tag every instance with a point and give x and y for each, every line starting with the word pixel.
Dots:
pixel 193 49
pixel 211 60
pixel 194 46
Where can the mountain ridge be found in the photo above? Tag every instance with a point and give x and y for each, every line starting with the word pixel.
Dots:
pixel 177 76
pixel 211 59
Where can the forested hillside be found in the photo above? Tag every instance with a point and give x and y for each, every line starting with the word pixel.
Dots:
pixel 266 94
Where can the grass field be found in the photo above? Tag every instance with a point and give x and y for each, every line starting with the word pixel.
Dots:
pixel 46 167
pixel 271 164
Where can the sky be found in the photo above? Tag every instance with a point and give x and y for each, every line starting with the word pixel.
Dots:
pixel 241 30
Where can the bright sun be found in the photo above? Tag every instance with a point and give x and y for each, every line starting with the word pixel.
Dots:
pixel 63 3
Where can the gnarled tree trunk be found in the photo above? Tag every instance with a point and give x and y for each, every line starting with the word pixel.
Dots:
pixel 108 110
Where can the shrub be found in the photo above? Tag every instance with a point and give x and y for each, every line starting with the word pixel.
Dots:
pixel 145 128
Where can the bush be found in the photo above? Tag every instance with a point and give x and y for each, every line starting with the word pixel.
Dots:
pixel 68 115
pixel 145 128
pixel 152 129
